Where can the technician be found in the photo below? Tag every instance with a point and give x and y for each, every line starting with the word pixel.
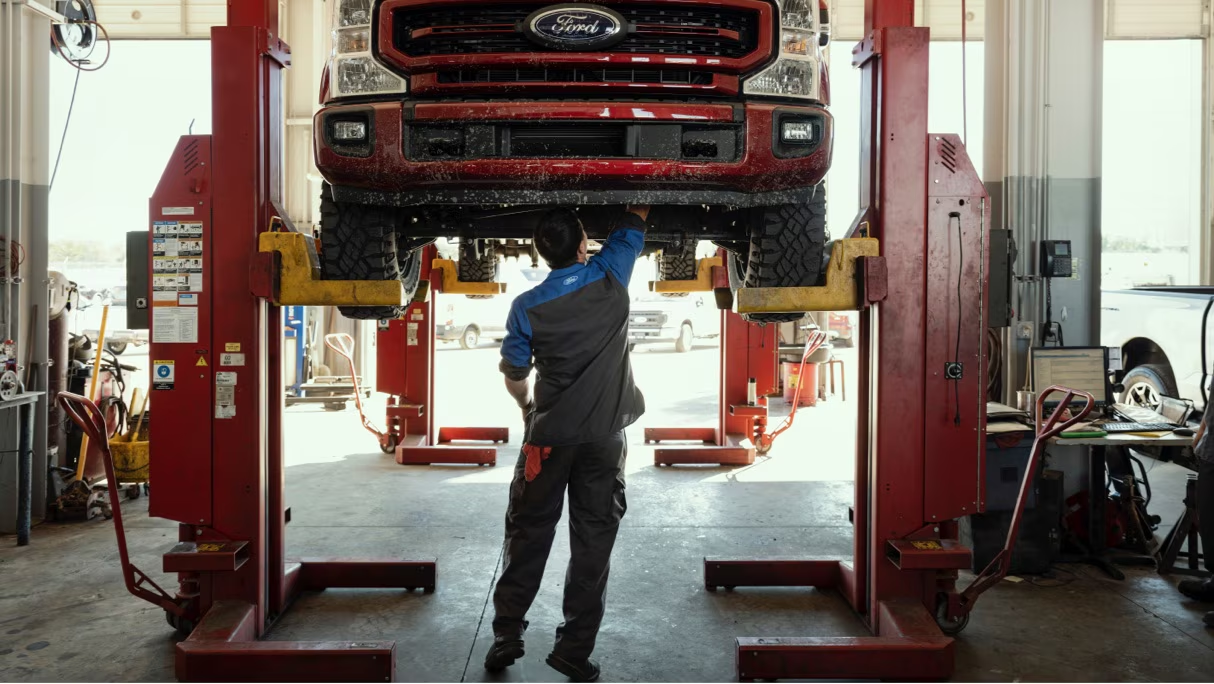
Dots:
pixel 573 329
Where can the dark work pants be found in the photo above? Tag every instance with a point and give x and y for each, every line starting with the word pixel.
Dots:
pixel 594 475
pixel 1205 509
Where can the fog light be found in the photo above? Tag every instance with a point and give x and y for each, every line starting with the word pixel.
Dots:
pixel 350 131
pixel 797 132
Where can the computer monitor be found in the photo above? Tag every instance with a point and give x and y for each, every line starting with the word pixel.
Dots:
pixel 1081 368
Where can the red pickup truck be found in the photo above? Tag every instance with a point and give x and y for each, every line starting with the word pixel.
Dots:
pixel 467 118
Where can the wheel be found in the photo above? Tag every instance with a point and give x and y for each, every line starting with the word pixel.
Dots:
pixel 183 625
pixel 686 339
pixel 1145 384
pixel 787 243
pixel 470 338
pixel 477 263
pixel 359 242
pixel 116 347
pixel 677 262
pixel 133 492
pixel 949 627
pixel 390 447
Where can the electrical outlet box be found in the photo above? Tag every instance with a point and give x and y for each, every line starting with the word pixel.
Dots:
pixel 1024 330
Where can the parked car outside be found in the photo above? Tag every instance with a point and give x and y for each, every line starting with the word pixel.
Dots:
pixel 655 318
pixel 117 337
pixel 469 319
pixel 1159 333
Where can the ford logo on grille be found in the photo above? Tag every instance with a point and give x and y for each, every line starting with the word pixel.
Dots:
pixel 575 27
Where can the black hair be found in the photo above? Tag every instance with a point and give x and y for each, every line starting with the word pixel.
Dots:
pixel 558 236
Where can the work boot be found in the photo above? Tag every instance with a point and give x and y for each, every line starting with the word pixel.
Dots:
pixel 1198 589
pixel 1209 619
pixel 578 671
pixel 506 649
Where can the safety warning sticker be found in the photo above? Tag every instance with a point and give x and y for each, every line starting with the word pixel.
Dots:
pixel 411 334
pixel 225 400
pixel 174 324
pixel 163 282
pixel 177 260
pixel 163 375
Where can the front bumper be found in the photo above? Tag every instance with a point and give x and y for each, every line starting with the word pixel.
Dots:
pixel 402 161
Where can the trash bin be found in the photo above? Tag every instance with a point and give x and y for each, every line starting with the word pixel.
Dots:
pixel 792 377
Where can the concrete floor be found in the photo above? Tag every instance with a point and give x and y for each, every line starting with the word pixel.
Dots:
pixel 65 615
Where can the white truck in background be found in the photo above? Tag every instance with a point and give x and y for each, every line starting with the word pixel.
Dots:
pixel 1160 333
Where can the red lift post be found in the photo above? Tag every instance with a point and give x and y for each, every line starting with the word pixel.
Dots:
pixel 748 352
pixel 919 462
pixel 405 372
pixel 216 355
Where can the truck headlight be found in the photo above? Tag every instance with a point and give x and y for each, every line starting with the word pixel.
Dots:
pixel 355 70
pixel 795 72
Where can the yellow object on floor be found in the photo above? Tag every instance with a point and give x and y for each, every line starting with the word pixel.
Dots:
pixel 130 460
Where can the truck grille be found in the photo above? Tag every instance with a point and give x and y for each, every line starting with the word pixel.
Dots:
pixel 668 76
pixel 661 30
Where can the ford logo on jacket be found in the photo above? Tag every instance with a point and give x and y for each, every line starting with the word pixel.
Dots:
pixel 576 27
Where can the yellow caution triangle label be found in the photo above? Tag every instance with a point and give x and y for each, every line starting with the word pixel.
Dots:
pixel 201 361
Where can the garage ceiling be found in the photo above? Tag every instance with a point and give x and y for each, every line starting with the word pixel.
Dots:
pixel 1124 19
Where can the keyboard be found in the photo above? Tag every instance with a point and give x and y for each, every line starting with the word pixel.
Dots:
pixel 1134 427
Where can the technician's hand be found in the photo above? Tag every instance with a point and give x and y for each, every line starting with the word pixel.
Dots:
pixel 1201 430
pixel 527 409
pixel 641 210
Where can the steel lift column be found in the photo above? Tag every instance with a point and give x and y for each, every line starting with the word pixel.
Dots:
pixel 217 355
pixel 749 353
pixel 919 459
pixel 405 357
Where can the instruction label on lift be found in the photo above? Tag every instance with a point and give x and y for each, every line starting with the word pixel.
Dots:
pixel 163 375
pixel 225 395
pixel 225 401
pixel 411 330
pixel 177 261
pixel 175 324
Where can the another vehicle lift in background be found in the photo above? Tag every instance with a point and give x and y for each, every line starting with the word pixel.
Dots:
pixel 405 354
pixel 748 362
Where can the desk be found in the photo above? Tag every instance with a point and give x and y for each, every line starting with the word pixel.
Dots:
pixel 1098 489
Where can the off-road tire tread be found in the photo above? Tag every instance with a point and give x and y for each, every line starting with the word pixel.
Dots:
pixel 358 242
pixel 677 264
pixel 474 270
pixel 786 246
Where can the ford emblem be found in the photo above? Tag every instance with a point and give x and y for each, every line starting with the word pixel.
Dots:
pixel 576 27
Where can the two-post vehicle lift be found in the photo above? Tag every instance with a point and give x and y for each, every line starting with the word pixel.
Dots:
pixel 915 263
